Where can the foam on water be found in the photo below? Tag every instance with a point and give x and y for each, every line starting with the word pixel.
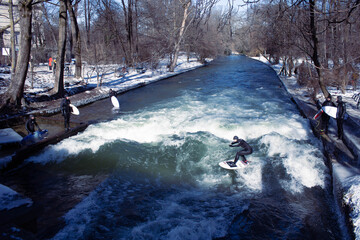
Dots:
pixel 174 123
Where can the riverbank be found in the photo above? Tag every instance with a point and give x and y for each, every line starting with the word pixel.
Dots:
pixel 343 156
pixel 93 87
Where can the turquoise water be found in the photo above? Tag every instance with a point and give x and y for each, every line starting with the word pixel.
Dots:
pixel 162 152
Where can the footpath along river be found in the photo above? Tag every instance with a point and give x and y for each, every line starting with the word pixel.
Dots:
pixel 159 160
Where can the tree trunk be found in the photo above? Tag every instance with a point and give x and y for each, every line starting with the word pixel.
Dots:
pixel 129 30
pixel 87 15
pixel 76 39
pixel 14 94
pixel 186 6
pixel 12 38
pixel 60 59
pixel 315 55
pixel 53 31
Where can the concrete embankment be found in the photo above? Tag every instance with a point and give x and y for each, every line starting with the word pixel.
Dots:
pixel 342 156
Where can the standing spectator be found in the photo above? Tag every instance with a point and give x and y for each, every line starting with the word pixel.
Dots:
pixel 66 111
pixel 50 63
pixel 54 64
pixel 340 114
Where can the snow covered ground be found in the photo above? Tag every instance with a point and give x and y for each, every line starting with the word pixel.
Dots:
pixel 42 79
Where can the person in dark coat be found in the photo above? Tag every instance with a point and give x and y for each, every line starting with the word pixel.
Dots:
pixel 66 111
pixel 324 117
pixel 31 124
pixel 340 114
pixel 247 149
pixel 112 93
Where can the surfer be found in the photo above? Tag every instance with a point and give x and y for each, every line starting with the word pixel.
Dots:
pixel 324 117
pixel 247 149
pixel 340 114
pixel 66 111
pixel 31 124
pixel 112 93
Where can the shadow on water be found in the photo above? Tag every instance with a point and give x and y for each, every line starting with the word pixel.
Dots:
pixel 278 214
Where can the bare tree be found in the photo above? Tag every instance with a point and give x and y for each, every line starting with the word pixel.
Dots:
pixel 322 33
pixel 12 38
pixel 60 59
pixel 75 33
pixel 186 5
pixel 14 94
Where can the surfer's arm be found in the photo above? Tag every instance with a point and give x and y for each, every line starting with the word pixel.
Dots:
pixel 35 123
pixel 62 106
pixel 27 127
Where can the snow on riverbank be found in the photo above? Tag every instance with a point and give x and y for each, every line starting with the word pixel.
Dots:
pixel 42 79
pixel 350 182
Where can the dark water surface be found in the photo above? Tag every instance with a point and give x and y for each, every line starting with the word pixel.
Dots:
pixel 161 155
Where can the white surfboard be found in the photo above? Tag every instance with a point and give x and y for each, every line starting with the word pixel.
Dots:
pixel 115 102
pixel 75 110
pixel 330 110
pixel 240 164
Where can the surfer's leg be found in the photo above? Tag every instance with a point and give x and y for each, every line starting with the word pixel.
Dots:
pixel 67 121
pixel 236 157
pixel 243 158
pixel 340 128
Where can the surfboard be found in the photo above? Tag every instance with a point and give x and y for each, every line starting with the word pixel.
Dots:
pixel 240 164
pixel 318 114
pixel 115 102
pixel 75 110
pixel 33 138
pixel 330 110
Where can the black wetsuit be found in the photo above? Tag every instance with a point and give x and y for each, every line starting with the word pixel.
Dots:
pixel 247 149
pixel 325 118
pixel 341 109
pixel 112 93
pixel 66 111
pixel 30 126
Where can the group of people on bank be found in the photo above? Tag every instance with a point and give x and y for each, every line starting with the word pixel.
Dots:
pixel 66 110
pixel 340 116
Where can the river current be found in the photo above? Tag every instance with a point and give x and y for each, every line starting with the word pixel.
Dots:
pixel 162 152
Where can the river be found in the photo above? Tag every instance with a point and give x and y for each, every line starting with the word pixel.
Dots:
pixel 161 152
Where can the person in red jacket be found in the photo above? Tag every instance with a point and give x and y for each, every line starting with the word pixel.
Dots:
pixel 50 63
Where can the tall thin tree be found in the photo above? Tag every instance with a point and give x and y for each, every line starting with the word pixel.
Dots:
pixel 14 94
pixel 60 59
